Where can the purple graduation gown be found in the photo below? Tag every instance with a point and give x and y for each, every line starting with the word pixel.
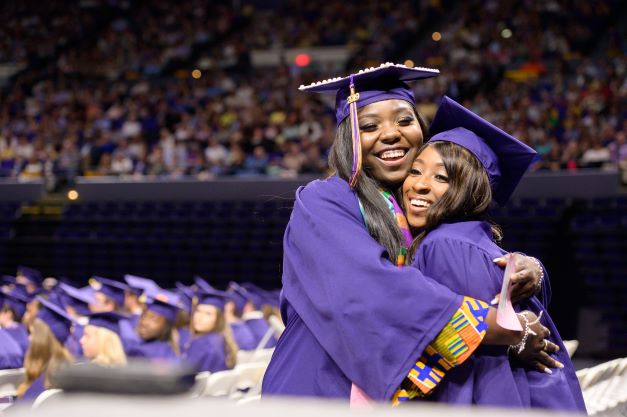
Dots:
pixel 258 327
pixel 243 336
pixel 32 392
pixel 351 315
pixel 460 256
pixel 73 343
pixel 155 349
pixel 19 333
pixel 11 354
pixel 184 338
pixel 206 353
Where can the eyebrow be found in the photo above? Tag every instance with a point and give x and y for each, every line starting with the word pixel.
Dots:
pixel 439 164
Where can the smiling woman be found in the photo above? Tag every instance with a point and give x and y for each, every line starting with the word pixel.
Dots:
pixel 357 320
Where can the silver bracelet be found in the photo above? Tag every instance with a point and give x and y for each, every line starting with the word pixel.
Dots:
pixel 539 265
pixel 519 347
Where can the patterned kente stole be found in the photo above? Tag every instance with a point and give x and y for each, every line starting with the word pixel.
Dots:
pixel 401 220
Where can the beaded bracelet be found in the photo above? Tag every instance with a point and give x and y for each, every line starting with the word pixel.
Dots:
pixel 539 265
pixel 519 347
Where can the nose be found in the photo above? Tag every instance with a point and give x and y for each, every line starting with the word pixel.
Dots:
pixel 390 134
pixel 422 186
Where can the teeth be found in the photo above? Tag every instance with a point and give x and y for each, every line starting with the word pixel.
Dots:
pixel 419 203
pixel 397 153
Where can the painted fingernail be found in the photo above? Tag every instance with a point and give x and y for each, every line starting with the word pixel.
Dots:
pixel 531 332
pixel 497 260
pixel 494 301
pixel 548 371
pixel 559 364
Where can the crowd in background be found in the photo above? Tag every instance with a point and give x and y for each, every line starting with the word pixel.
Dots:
pixel 111 93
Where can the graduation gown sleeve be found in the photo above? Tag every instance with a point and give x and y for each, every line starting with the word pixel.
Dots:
pixel 206 353
pixel 372 318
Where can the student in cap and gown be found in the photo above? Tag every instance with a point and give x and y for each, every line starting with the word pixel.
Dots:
pixel 468 157
pixel 77 302
pixel 252 316
pixel 29 277
pixel 233 309
pixel 13 309
pixel 212 346
pixel 156 328
pixel 101 342
pixel 49 332
pixel 111 296
pixel 11 353
pixel 357 322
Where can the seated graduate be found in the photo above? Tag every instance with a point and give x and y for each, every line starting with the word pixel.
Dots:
pixel 183 318
pixel 49 331
pixel 212 346
pixel 251 314
pixel 233 308
pixel 77 302
pixel 466 164
pixel 101 342
pixel 137 286
pixel 30 278
pixel 111 295
pixel 156 328
pixel 11 314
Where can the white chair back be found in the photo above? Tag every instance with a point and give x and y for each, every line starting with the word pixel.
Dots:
pixel 46 396
pixel 10 379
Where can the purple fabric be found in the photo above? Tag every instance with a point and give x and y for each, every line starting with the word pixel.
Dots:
pixel 155 349
pixel 206 353
pixel 505 158
pixel 73 343
pixel 243 336
pixel 19 333
pixel 11 354
pixel 460 255
pixel 33 275
pixel 115 290
pixel 342 107
pixel 259 328
pixel 351 315
pixel 56 318
pixel 36 388
pixel 110 320
pixel 184 338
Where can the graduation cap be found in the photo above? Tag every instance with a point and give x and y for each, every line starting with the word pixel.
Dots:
pixel 255 294
pixel 78 299
pixel 109 320
pixel 164 303
pixel 32 275
pixel 238 295
pixel 202 284
pixel 370 85
pixel 8 279
pixel 16 299
pixel 505 158
pixel 186 296
pixel 215 298
pixel 139 285
pixel 56 318
pixel 115 290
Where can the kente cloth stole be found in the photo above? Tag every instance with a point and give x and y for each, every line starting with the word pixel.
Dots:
pixel 401 221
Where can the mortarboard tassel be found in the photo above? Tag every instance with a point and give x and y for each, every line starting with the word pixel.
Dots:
pixel 352 100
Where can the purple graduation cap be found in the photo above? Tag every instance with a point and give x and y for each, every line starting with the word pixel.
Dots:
pixel 115 290
pixel 202 284
pixel 370 85
pixel 78 299
pixel 214 298
pixel 32 275
pixel 186 295
pixel 238 295
pixel 56 318
pixel 139 285
pixel 8 279
pixel 110 320
pixel 16 299
pixel 505 158
pixel 164 303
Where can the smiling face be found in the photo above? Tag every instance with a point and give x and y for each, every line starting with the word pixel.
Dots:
pixel 427 182
pixel 390 136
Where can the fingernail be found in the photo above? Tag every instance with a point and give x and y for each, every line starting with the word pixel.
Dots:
pixel 497 259
pixel 559 364
pixel 531 332
pixel 494 301
pixel 548 371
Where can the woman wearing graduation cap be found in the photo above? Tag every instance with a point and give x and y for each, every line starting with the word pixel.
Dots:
pixel 464 166
pixel 212 346
pixel 11 314
pixel 101 342
pixel 356 320
pixel 49 331
pixel 156 328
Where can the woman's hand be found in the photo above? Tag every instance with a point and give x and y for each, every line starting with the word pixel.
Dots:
pixel 525 279
pixel 537 348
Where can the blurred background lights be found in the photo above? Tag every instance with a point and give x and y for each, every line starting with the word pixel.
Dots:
pixel 506 33
pixel 409 63
pixel 302 60
pixel 196 74
pixel 436 36
pixel 72 195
